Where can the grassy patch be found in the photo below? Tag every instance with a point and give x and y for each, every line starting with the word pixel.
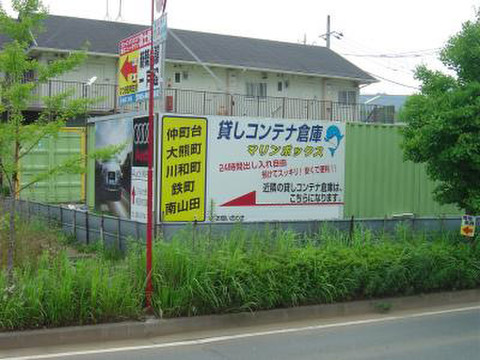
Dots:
pixel 33 239
pixel 273 269
pixel 244 271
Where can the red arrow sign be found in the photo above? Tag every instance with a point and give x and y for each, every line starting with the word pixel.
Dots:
pixel 128 68
pixel 249 199
pixel 467 231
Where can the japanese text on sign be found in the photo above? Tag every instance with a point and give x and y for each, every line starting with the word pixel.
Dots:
pixel 184 142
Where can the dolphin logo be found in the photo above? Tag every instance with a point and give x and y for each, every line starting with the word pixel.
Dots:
pixel 333 132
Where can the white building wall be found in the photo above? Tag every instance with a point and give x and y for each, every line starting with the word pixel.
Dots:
pixel 196 77
pixel 234 81
pixel 287 95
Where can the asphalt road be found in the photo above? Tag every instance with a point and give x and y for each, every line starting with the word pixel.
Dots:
pixel 452 334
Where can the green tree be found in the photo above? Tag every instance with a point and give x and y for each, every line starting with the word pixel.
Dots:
pixel 17 136
pixel 443 121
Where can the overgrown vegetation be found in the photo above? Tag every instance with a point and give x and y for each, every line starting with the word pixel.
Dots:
pixel 201 274
pixel 443 122
pixel 34 238
pixel 18 136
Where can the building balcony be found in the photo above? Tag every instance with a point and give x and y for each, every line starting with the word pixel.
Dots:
pixel 196 102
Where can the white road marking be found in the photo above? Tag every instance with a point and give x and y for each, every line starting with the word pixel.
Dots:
pixel 216 339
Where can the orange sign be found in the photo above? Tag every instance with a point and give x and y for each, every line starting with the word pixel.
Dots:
pixel 468 226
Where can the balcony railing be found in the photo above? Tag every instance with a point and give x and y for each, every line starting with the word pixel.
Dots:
pixel 216 103
pixel 105 94
pixel 209 103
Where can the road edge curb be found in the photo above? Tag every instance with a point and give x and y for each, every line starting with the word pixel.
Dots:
pixel 161 327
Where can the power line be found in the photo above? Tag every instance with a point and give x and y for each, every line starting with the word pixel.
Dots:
pixel 387 62
pixel 394 82
pixel 419 53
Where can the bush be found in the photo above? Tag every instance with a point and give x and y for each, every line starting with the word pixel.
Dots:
pixel 59 292
pixel 245 271
pixel 279 269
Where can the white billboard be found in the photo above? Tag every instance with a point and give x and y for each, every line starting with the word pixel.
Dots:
pixel 251 169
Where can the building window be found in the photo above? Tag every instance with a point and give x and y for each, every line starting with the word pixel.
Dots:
pixel 257 90
pixel 178 77
pixel 280 86
pixel 347 97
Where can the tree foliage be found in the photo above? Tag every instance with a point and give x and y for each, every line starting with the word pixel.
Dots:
pixel 443 121
pixel 17 136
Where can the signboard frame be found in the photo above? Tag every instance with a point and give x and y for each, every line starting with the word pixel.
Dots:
pixel 131 73
pixel 161 195
pixel 322 210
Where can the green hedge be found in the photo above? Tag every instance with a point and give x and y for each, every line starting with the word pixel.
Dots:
pixel 277 269
pixel 198 274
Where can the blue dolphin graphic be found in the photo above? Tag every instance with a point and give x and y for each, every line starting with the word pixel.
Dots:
pixel 333 132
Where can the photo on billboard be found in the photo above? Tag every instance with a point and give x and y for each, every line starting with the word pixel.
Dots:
pixel 113 176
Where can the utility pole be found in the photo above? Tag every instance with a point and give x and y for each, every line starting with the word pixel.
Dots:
pixel 107 14
pixel 329 33
pixel 119 16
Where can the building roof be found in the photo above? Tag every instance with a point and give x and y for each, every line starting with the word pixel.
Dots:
pixel 384 100
pixel 69 33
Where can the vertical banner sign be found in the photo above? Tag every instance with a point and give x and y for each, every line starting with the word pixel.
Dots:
pixel 468 226
pixel 159 47
pixel 138 190
pixel 134 68
pixel 183 164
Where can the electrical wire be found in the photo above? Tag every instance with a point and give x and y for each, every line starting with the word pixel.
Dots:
pixel 398 55
pixel 388 64
pixel 394 82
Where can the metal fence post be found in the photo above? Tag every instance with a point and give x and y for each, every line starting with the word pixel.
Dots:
pixel 102 230
pixel 175 102
pixel 204 103
pixel 119 235
pixel 194 231
pixel 74 224
pixel 115 105
pixel 155 228
pixel 351 230
pixel 87 228
pixel 28 210
pixel 137 230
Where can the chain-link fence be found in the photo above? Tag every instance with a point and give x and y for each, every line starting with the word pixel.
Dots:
pixel 87 227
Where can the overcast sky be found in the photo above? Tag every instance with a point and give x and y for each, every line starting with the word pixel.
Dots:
pixel 401 34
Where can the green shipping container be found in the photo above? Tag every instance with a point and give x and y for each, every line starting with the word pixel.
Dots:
pixel 378 182
pixel 51 152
